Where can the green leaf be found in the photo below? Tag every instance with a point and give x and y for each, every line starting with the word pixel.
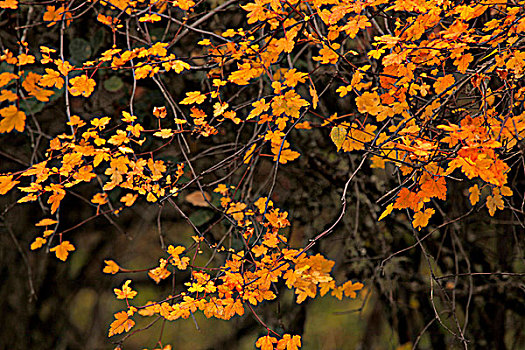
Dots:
pixel 113 84
pixel 200 217
pixel 80 49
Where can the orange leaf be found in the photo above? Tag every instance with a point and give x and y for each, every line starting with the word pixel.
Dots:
pixel 82 85
pixel 126 292
pixel 289 343
pixel 193 97
pixel 495 202
pixel 406 199
pixel 6 184
pixel 62 250
pixel 350 289
pixel 13 119
pixel 39 241
pixel 111 267
pixel 266 343
pixel 421 218
pixel 9 4
pixel 46 222
pixel 122 324
pixel 129 199
pixel 444 83
pixel 474 194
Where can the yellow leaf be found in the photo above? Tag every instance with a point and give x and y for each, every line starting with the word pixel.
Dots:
pixel 338 136
pixel 421 218
pixel 387 211
pixel 249 154
pixel 46 222
pixel 474 194
pixel 126 292
pixel 193 97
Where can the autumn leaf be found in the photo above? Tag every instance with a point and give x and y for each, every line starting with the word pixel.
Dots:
pixel 6 77
pixel 164 133
pixel 129 199
pixel 39 242
pixel 82 85
pixel 349 289
pixel 285 156
pixel 196 198
pixel 259 107
pixel 54 15
pixel 444 83
pixel 126 292
pixel 387 211
pixel 24 59
pixel 62 250
pixel 111 267
pixel 368 102
pixel 51 78
pixel 406 199
pixel 248 156
pixel 46 222
pixel 178 66
pixel 7 183
pixel 151 18
pixel 122 324
pixel 289 342
pixel 421 218
pixel 8 95
pixel 474 194
pixel 434 188
pixel 266 343
pixel 193 97
pixel 99 199
pixel 463 61
pixel 338 136
pixel 13 118
pixel 55 199
pixel 9 4
pixel 495 202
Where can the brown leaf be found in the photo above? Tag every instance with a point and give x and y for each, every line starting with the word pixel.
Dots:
pixel 197 199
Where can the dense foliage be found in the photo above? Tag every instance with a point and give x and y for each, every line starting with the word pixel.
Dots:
pixel 272 128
